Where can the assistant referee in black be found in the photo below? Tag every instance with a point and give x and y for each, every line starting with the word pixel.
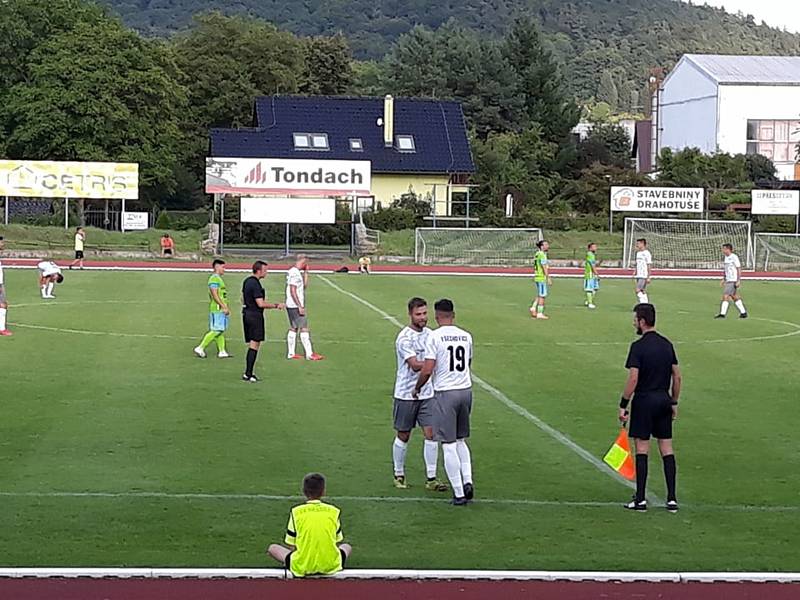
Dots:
pixel 654 385
pixel 253 304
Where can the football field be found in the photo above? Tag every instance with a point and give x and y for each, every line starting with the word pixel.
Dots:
pixel 118 447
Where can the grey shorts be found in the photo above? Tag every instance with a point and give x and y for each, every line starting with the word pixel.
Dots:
pixel 296 320
pixel 2 294
pixel 451 410
pixel 730 289
pixel 641 284
pixel 410 413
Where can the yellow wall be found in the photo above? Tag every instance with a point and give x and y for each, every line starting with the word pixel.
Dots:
pixel 386 188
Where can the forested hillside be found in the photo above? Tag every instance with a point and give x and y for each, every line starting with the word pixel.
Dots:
pixel 606 46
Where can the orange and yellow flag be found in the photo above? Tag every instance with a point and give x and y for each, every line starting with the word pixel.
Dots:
pixel 619 456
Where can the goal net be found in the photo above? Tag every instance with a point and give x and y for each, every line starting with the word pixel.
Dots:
pixel 475 246
pixel 688 243
pixel 778 251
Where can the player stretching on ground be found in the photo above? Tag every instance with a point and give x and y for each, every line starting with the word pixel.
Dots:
pixel 49 275
pixel 591 280
pixel 448 357
pixel 3 304
pixel 541 277
pixel 644 260
pixel 296 284
pixel 218 312
pixel 731 281
pixel 408 410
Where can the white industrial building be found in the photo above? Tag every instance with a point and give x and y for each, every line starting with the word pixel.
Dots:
pixel 733 104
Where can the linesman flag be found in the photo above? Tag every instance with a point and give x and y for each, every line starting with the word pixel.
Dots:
pixel 619 456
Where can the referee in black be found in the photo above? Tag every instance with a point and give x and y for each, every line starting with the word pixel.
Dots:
pixel 654 384
pixel 253 304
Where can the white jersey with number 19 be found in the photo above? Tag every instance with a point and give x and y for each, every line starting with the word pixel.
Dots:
pixel 451 348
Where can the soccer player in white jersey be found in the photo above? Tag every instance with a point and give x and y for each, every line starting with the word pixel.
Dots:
pixel 3 303
pixel 408 410
pixel 296 284
pixel 448 358
pixel 731 281
pixel 644 260
pixel 49 275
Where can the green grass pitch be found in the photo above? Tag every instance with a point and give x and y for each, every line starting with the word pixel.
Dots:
pixel 129 411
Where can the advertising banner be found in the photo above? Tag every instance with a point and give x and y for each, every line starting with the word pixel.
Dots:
pixel 56 179
pixel 657 199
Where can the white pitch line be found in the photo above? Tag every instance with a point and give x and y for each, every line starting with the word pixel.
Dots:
pixel 509 403
pixel 378 499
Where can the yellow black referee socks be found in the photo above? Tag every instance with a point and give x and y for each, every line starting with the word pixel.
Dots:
pixel 670 472
pixel 641 477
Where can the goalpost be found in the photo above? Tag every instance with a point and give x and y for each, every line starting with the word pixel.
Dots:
pixel 778 251
pixel 475 246
pixel 688 243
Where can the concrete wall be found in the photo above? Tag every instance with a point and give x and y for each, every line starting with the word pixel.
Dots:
pixel 688 110
pixel 737 104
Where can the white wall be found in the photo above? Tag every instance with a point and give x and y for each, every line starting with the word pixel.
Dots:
pixel 688 110
pixel 737 104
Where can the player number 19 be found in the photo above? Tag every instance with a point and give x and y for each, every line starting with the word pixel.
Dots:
pixel 457 358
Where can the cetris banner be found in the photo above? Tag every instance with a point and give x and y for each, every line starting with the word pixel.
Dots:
pixel 56 179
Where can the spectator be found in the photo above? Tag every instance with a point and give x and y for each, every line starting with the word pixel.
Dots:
pixel 167 246
pixel 80 240
pixel 364 264
pixel 313 535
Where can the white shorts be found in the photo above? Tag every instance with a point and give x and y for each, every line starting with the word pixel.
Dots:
pixel 47 268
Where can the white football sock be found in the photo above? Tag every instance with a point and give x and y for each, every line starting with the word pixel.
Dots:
pixel 430 451
pixel 50 286
pixel 3 312
pixel 465 457
pixel 452 465
pixel 645 299
pixel 639 296
pixel 740 306
pixel 44 291
pixel 305 339
pixel 291 342
pixel 399 449
pixel 723 310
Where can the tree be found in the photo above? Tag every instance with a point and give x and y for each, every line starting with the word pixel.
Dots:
pixel 607 144
pixel 97 91
pixel 760 168
pixel 539 82
pixel 328 66
pixel 455 63
pixel 607 90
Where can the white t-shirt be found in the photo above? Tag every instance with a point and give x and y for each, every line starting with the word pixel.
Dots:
pixel 451 348
pixel 643 259
pixel 732 263
pixel 410 343
pixel 78 242
pixel 48 268
pixel 295 277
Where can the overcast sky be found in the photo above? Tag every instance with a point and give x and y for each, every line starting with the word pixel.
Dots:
pixel 778 13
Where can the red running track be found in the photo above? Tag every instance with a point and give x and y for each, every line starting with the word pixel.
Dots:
pixel 169 265
pixel 267 589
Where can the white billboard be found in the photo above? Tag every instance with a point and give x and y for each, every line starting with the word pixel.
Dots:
pixel 288 210
pixel 657 199
pixel 135 221
pixel 775 202
pixel 288 176
pixel 58 179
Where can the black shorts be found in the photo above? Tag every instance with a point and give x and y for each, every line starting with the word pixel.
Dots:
pixel 288 563
pixel 651 415
pixel 253 326
pixel 78 254
pixel 167 251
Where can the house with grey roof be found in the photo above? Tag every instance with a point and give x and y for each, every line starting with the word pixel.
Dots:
pixel 734 104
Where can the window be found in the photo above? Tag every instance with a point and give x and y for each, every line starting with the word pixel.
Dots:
pixel 775 139
pixel 310 141
pixel 301 141
pixel 405 143
pixel 356 145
